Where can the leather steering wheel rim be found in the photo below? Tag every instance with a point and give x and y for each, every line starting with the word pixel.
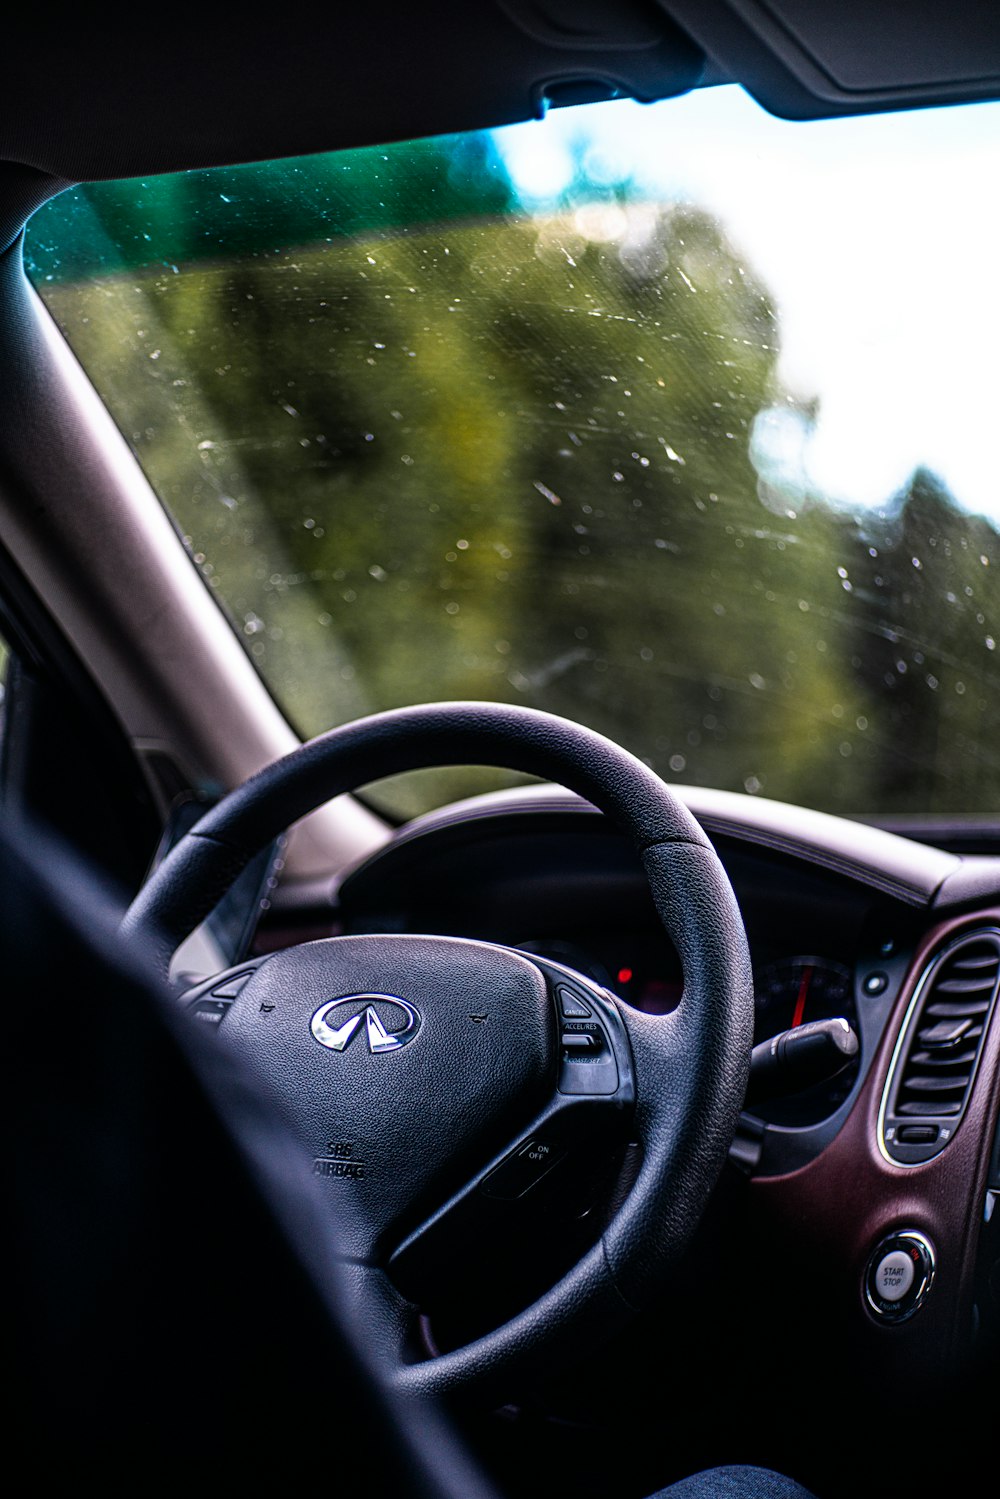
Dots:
pixel 690 1066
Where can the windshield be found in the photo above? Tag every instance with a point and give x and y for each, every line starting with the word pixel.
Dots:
pixel 678 420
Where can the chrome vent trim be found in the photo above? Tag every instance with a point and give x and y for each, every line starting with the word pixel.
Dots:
pixel 940 1044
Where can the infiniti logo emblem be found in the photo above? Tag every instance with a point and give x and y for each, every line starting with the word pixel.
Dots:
pixel 336 1023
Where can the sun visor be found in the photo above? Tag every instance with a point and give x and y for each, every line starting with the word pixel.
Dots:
pixel 99 102
pixel 812 59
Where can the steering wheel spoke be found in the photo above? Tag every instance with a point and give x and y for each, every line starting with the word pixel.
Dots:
pixel 558 1165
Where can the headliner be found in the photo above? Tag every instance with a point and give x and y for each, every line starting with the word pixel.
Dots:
pixel 107 102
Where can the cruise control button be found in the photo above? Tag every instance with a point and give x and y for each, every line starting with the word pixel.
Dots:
pixel 571 1005
pixel 578 1041
pixel 894 1275
pixel 522 1169
pixel 230 987
pixel 209 1011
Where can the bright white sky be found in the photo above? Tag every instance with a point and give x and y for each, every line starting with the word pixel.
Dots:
pixel 879 239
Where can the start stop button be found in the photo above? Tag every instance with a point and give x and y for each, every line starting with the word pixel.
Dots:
pixel 894 1275
pixel 899 1275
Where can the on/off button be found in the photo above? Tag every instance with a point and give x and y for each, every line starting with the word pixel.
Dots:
pixel 894 1275
pixel 899 1275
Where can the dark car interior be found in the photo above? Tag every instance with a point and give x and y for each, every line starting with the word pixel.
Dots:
pixel 703 1168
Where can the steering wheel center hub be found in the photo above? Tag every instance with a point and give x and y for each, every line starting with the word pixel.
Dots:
pixel 403 1063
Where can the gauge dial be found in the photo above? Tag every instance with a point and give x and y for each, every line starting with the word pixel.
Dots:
pixel 790 993
pixel 794 990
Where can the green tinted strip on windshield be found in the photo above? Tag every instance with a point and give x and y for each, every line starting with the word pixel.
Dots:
pixel 250 210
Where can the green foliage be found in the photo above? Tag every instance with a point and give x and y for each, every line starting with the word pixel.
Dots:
pixel 509 459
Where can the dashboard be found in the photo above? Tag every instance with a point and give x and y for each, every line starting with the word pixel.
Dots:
pixel 851 1253
pixel 843 920
pixel 835 913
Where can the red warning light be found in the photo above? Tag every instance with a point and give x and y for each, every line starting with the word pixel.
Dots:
pixel 625 975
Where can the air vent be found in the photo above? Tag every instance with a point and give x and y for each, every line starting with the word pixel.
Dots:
pixel 939 1049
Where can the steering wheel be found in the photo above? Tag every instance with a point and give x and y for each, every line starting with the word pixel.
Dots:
pixel 440 1084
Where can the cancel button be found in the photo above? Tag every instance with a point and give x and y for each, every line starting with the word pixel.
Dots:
pixel 894 1275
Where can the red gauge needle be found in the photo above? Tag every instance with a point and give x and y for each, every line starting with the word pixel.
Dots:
pixel 800 1003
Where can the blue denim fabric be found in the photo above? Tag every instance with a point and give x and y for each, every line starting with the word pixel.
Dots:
pixel 735 1483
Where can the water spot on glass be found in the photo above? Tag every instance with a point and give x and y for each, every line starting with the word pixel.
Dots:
pixel 378 573
pixel 756 680
pixel 752 784
pixel 547 493
pixel 677 763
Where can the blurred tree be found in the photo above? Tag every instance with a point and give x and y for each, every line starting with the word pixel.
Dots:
pixel 924 628
pixel 425 447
